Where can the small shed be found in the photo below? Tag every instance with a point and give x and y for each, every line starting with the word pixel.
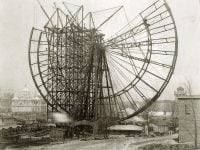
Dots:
pixel 126 129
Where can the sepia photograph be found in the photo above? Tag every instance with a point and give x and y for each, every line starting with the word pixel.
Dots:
pixel 99 75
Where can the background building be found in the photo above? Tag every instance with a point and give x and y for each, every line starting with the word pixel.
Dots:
pixel 5 102
pixel 29 108
pixel 189 111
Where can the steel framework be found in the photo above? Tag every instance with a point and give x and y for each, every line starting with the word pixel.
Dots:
pixel 77 70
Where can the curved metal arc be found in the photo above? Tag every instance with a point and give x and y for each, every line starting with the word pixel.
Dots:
pixel 31 70
pixel 168 76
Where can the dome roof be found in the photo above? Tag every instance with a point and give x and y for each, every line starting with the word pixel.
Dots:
pixel 180 89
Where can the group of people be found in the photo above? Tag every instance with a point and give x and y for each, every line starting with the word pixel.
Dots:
pixel 77 132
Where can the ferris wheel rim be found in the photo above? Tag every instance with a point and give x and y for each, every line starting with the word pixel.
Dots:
pixel 144 66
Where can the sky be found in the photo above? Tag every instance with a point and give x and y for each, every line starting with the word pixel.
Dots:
pixel 17 17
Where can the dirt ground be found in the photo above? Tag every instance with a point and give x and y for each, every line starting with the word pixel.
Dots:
pixel 114 143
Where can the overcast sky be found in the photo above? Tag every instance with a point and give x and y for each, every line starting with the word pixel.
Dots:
pixel 18 16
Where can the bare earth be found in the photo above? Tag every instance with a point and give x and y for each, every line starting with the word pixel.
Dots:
pixel 114 143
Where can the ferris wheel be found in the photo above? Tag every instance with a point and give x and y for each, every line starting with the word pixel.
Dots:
pixel 80 70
